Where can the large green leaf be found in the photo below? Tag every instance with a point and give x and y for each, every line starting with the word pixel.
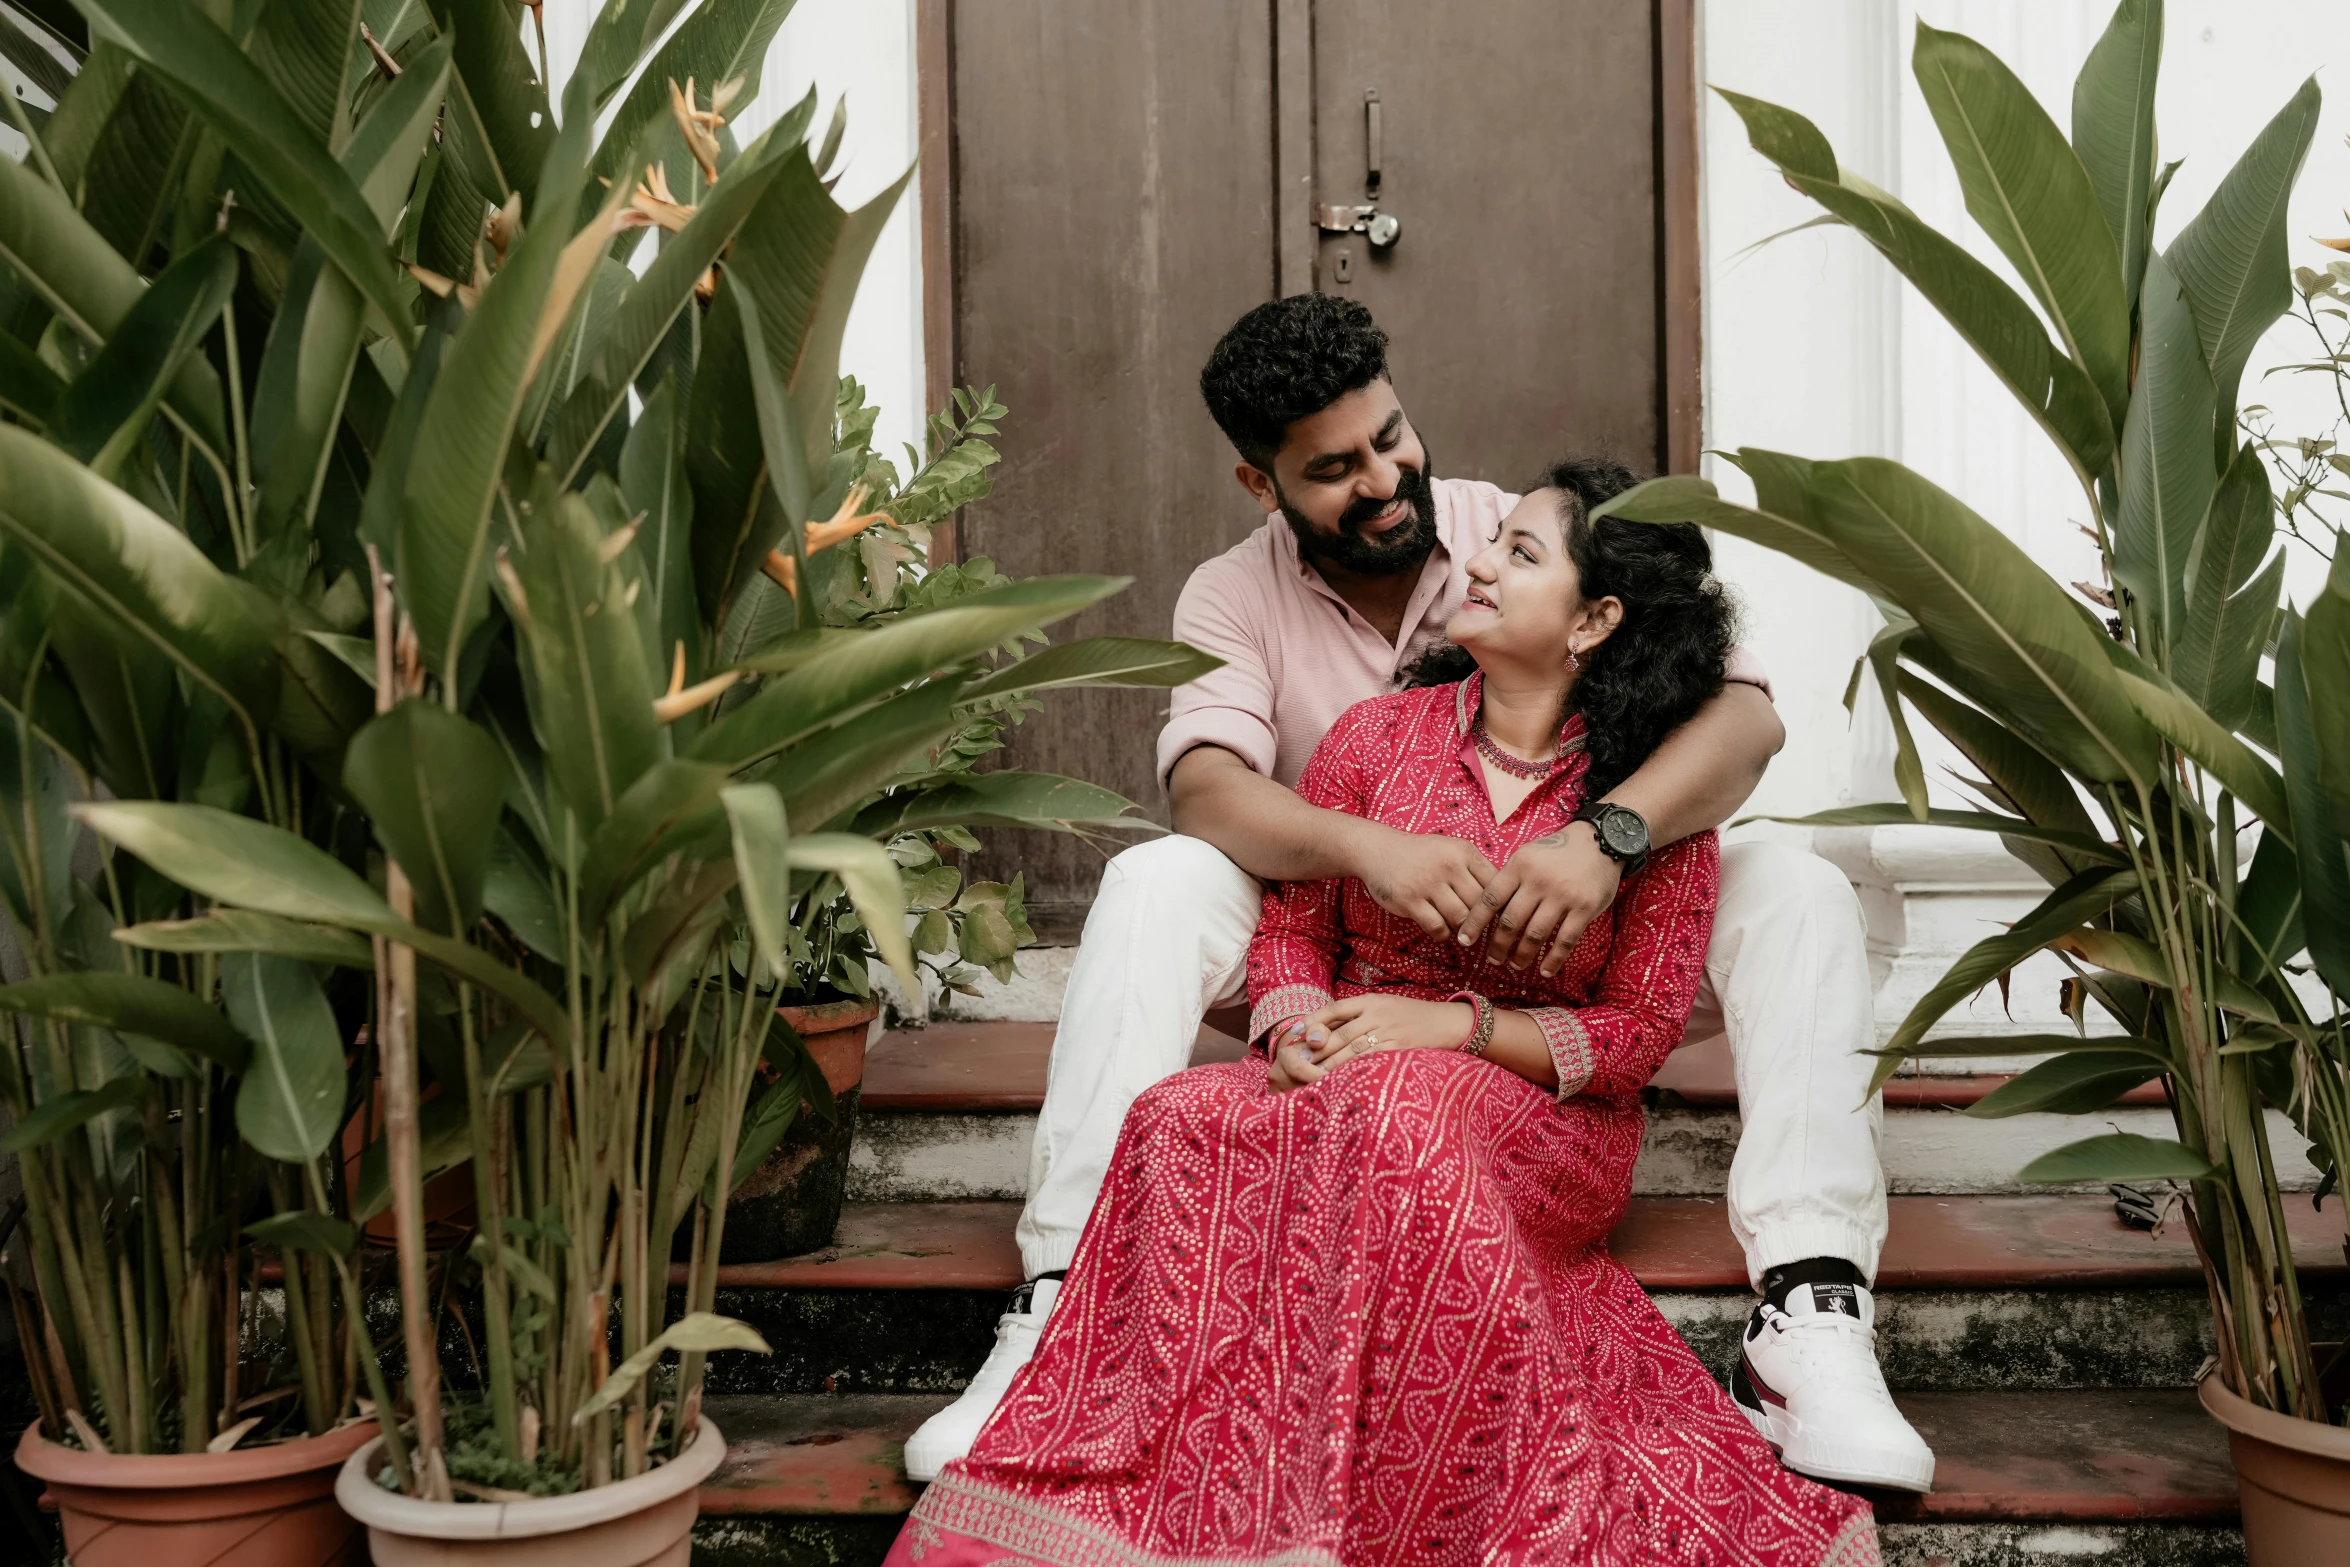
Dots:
pixel 2325 869
pixel 305 1231
pixel 1989 606
pixel 290 1103
pixel 508 99
pixel 674 800
pixel 2117 1156
pixel 2027 188
pixel 2167 469
pixel 699 1332
pixel 653 303
pixel 2231 258
pixel 2026 781
pixel 103 415
pixel 622 32
pixel 1994 320
pixel 467 423
pixel 846 675
pixel 2231 601
pixel 652 477
pixel 842 767
pixel 181 44
pixel 2325 667
pixel 138 573
pixel 871 879
pixel 793 271
pixel 131 1004
pixel 762 865
pixel 443 1141
pixel 2113 128
pixel 432 784
pixel 309 51
pixel 2073 1084
pixel 81 277
pixel 314 341
pixel 1004 799
pixel 2214 749
pixel 235 860
pixel 242 930
pixel 724 40
pixel 53 1118
pixel 1686 498
pixel 2085 897
pixel 592 694
pixel 1098 661
pixel 2080 844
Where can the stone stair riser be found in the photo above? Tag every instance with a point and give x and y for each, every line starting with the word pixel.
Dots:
pixel 853 1542
pixel 851 1342
pixel 921 1157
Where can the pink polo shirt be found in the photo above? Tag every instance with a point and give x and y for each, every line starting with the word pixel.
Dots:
pixel 1296 656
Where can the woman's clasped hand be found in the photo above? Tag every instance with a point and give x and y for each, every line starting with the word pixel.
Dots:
pixel 1306 1047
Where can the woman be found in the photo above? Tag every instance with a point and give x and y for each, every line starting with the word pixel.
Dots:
pixel 1353 1304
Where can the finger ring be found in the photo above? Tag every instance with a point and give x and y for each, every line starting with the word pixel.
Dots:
pixel 1370 1040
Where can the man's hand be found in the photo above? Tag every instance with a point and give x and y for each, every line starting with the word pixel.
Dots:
pixel 1429 879
pixel 1537 906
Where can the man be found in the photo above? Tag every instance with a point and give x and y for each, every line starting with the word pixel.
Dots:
pixel 1350 581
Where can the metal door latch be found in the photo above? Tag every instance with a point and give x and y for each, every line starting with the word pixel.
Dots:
pixel 1381 228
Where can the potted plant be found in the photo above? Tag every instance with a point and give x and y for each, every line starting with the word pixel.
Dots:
pixel 193 1337
pixel 2186 807
pixel 792 1165
pixel 615 742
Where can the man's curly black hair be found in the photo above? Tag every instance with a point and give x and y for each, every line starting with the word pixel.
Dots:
pixel 1664 660
pixel 1288 360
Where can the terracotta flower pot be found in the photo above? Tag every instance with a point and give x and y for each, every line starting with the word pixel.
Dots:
pixel 644 1522
pixel 268 1506
pixel 791 1202
pixel 2294 1479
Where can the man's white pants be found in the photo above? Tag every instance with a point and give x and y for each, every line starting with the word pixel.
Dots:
pixel 1786 978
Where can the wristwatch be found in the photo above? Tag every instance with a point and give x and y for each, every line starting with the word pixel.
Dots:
pixel 1622 832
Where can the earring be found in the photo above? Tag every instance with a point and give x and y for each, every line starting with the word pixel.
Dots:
pixel 1574 664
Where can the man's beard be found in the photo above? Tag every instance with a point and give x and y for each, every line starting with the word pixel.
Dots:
pixel 1403 547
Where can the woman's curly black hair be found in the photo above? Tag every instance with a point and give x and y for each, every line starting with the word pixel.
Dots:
pixel 1664 660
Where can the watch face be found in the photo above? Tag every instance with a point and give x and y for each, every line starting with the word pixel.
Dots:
pixel 1624 832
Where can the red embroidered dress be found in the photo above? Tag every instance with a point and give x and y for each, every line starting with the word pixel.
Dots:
pixel 1374 1321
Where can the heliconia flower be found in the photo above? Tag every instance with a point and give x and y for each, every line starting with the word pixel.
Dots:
pixel 845 523
pixel 700 126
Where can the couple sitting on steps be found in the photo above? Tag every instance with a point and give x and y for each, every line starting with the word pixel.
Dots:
pixel 1446 819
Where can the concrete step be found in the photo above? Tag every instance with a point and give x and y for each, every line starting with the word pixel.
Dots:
pixel 2129 1478
pixel 1974 1292
pixel 948 1115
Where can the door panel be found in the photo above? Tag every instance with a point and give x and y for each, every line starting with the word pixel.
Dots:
pixel 1126 177
pixel 1112 218
pixel 1519 155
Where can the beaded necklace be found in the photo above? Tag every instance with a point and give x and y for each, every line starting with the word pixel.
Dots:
pixel 1516 767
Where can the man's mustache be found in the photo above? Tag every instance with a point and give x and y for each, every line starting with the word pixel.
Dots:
pixel 1363 509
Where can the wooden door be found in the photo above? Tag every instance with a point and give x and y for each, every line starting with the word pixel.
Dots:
pixel 1107 186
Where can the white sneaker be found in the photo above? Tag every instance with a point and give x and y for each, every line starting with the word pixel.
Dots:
pixel 1809 1382
pixel 948 1435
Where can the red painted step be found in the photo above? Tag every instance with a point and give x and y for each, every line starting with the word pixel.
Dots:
pixel 1000 1067
pixel 2080 1456
pixel 1668 1242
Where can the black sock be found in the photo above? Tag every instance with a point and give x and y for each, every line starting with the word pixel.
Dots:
pixel 1814 1270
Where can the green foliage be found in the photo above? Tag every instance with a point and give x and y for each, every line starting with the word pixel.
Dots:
pixel 484 670
pixel 2126 760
